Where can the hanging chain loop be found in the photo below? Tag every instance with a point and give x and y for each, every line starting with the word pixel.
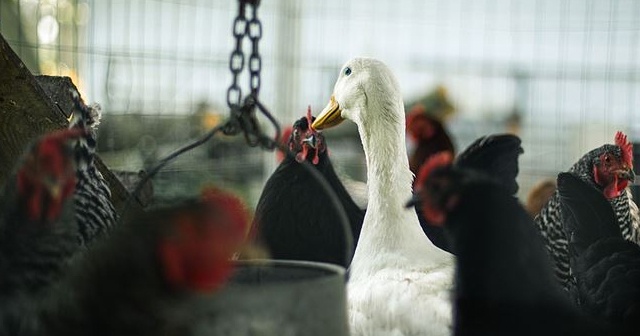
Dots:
pixel 243 111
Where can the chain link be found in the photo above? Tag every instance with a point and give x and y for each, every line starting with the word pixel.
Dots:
pixel 243 115
pixel 254 30
pixel 251 28
pixel 236 60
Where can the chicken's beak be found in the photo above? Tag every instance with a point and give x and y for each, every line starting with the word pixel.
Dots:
pixel 311 140
pixel 330 116
pixel 415 199
pixel 55 190
pixel 627 174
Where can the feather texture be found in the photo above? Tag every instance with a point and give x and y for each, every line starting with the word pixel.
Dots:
pixel 606 266
pixel 504 280
pixel 95 212
pixel 37 229
pixel 294 217
pixel 549 221
pixel 399 281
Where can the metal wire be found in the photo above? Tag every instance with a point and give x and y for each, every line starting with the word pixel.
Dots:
pixel 162 163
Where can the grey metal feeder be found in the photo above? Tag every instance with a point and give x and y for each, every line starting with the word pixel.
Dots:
pixel 279 297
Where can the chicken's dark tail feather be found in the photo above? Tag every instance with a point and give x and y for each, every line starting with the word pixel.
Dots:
pixel 496 155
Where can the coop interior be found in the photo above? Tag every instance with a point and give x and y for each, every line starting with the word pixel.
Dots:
pixel 190 99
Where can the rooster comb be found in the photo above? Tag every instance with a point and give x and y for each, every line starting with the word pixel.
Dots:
pixel 309 116
pixel 286 135
pixel 626 147
pixel 228 202
pixel 415 112
pixel 438 160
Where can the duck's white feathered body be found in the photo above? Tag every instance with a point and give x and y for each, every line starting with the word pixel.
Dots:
pixel 399 281
pixel 398 301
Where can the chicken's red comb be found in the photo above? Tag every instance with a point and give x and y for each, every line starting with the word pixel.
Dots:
pixel 48 157
pixel 195 257
pixel 626 147
pixel 419 124
pixel 286 134
pixel 232 206
pixel 441 159
pixel 309 118
pixel 415 112
pixel 284 139
pixel 303 154
pixel 417 109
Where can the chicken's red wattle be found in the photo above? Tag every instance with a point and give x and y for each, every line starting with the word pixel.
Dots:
pixel 615 188
pixel 302 155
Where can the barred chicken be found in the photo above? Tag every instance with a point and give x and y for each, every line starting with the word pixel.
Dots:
pixel 38 229
pixel 606 266
pixel 95 213
pixel 608 168
pixel 150 276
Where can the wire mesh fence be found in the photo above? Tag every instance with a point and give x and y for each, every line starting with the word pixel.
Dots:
pixel 563 74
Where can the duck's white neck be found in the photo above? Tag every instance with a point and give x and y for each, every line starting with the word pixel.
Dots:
pixel 387 222
pixel 388 171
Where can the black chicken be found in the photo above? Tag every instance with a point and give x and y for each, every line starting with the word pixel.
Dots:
pixel 294 218
pixel 38 230
pixel 37 223
pixel 428 134
pixel 609 168
pixel 504 283
pixel 149 276
pixel 606 266
pixel 495 155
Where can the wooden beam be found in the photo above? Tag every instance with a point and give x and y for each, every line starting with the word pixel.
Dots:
pixel 29 110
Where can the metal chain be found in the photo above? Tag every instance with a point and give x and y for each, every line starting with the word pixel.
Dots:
pixel 243 116
pixel 236 61
pixel 254 30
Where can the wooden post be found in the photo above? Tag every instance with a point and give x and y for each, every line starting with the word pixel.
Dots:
pixel 29 109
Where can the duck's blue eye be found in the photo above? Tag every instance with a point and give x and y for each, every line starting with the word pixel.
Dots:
pixel 347 71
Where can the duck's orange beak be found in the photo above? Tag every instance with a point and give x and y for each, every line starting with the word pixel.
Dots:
pixel 330 116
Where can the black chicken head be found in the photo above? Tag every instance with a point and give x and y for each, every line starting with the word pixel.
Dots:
pixel 305 142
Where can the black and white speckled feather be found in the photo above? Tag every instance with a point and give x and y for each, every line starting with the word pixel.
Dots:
pixel 549 221
pixel 95 213
pixel 606 266
pixel 33 255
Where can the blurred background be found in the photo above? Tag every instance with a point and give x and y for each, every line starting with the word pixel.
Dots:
pixel 561 74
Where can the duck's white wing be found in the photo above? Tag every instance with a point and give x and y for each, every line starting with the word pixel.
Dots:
pixel 357 190
pixel 400 302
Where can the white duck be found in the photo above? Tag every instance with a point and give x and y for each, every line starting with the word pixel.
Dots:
pixel 399 281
